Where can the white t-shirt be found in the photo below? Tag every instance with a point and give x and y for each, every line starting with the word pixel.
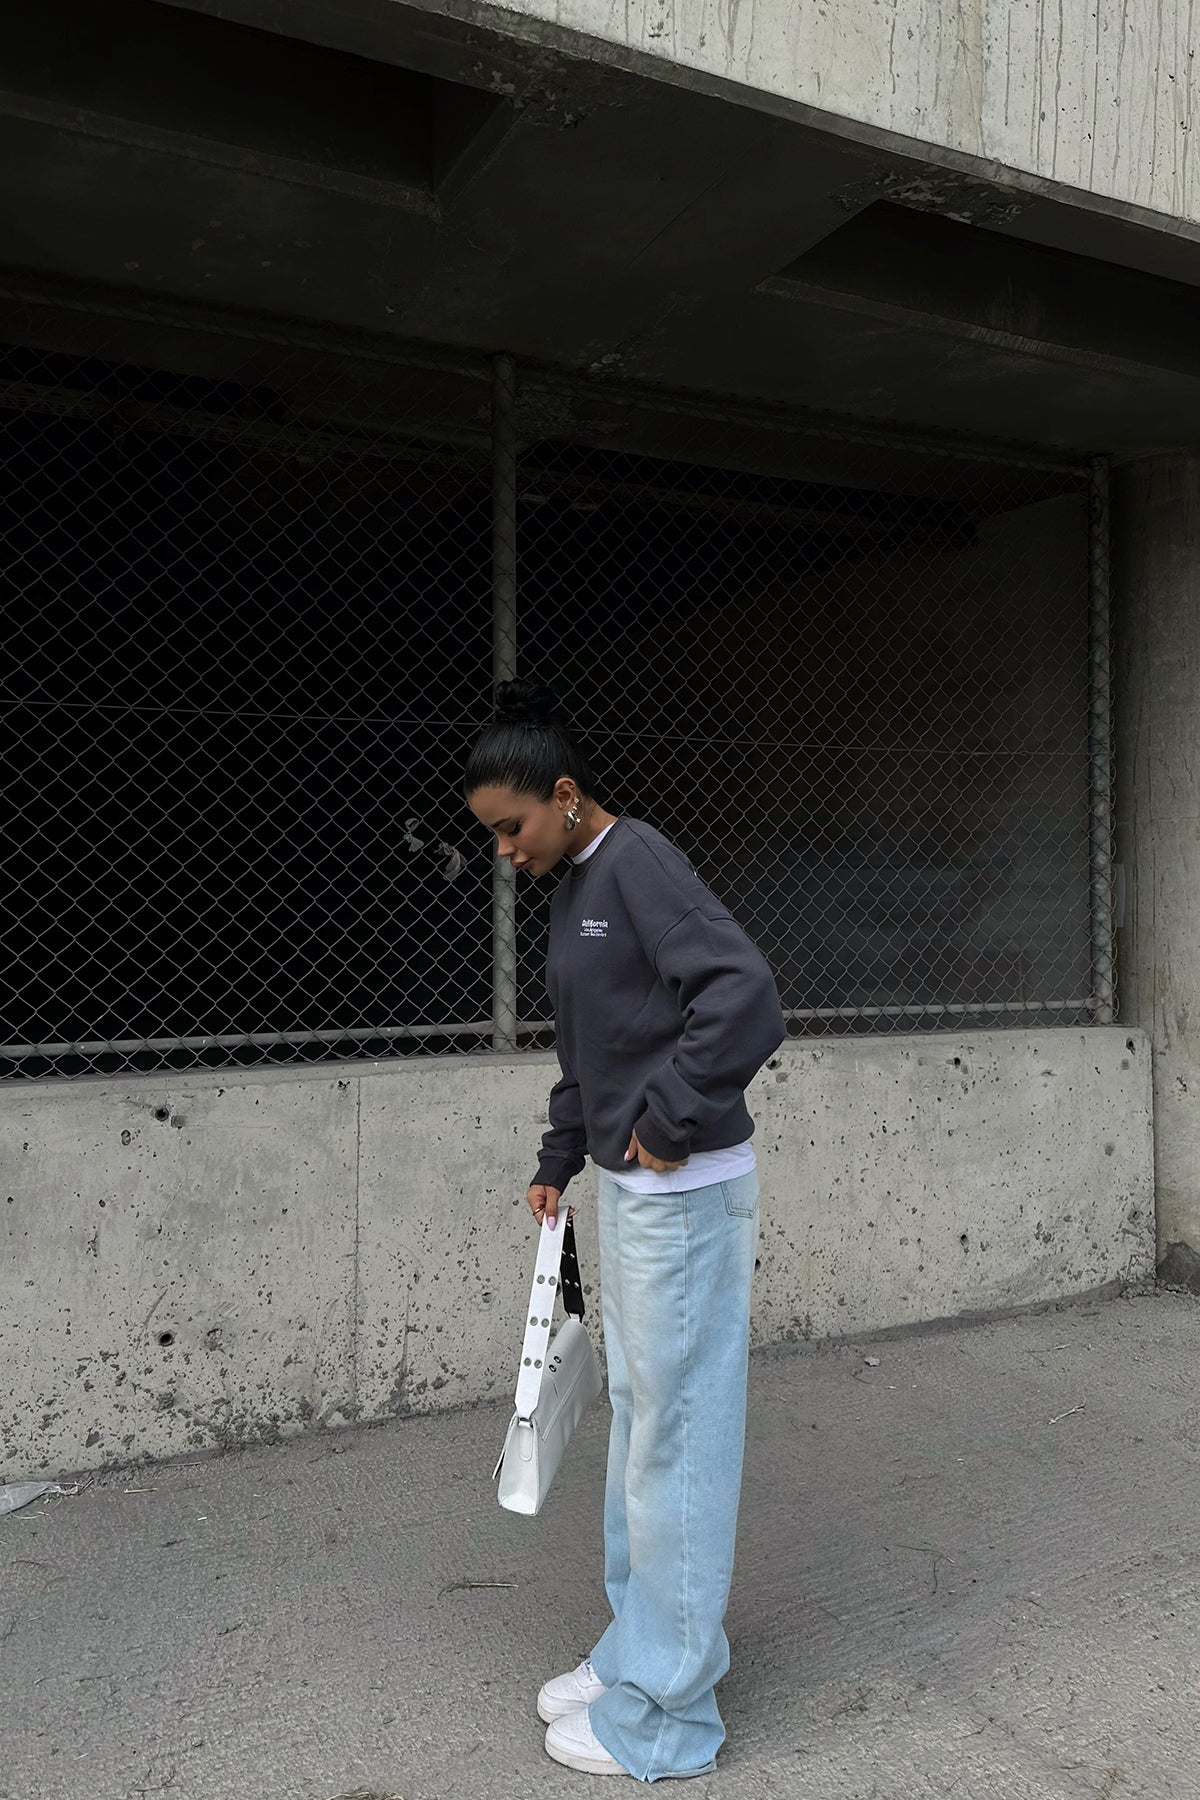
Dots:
pixel 593 846
pixel 706 1167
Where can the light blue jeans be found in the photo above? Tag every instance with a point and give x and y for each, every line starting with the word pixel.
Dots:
pixel 676 1273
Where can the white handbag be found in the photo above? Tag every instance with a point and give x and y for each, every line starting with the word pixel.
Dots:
pixel 557 1381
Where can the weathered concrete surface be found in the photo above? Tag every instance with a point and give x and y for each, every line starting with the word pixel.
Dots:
pixel 217 1215
pixel 1156 519
pixel 919 1179
pixel 1097 99
pixel 446 1250
pixel 354 1243
pixel 967 1573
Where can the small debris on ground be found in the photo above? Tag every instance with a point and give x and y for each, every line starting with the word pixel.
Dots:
pixel 457 1587
pixel 24 1493
pixel 366 1794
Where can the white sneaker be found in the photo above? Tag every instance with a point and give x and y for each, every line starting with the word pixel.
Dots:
pixel 568 1693
pixel 572 1741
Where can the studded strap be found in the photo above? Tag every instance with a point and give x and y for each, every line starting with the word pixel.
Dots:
pixel 555 1249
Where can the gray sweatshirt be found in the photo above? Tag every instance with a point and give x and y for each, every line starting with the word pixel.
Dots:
pixel 665 1011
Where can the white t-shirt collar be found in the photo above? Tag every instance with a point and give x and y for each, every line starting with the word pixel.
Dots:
pixel 593 846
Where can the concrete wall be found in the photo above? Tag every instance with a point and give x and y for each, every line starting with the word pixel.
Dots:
pixel 196 1261
pixel 1101 99
pixel 1156 517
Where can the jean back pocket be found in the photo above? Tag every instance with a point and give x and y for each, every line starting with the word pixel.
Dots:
pixel 741 1196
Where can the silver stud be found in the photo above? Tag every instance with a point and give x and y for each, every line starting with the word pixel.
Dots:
pixel 526 1362
pixel 538 1363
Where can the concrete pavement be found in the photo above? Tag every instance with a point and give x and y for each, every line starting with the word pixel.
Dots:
pixel 967 1569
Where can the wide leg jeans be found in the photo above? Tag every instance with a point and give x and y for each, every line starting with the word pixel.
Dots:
pixel 676 1274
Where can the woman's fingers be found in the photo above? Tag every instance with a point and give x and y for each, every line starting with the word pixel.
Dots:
pixel 650 1162
pixel 543 1203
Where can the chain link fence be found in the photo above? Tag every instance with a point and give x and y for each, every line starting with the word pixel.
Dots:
pixel 258 590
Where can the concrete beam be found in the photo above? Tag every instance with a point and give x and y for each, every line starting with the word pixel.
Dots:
pixel 565 213
pixel 1091 105
pixel 961 279
pixel 574 213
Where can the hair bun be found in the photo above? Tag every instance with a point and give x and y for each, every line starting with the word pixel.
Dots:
pixel 526 702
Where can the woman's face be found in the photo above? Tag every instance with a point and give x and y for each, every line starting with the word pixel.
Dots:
pixel 530 833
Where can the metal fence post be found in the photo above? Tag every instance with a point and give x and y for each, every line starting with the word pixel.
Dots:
pixel 504 668
pixel 1100 744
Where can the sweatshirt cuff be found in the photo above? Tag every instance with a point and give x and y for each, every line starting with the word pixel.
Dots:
pixel 652 1137
pixel 556 1172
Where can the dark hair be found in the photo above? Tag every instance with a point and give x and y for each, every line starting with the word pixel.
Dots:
pixel 529 746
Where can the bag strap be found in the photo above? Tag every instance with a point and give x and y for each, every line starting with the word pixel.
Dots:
pixel 570 1285
pixel 557 1267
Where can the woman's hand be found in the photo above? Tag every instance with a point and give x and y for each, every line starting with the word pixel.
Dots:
pixel 647 1161
pixel 543 1202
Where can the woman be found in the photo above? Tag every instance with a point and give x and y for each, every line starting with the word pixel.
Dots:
pixel 664 1012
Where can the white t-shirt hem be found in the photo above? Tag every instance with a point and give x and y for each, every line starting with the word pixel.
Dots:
pixel 704 1169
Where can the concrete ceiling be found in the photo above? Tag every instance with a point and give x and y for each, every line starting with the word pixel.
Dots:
pixel 398 175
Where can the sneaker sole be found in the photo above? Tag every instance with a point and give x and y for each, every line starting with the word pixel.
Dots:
pixel 587 1765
